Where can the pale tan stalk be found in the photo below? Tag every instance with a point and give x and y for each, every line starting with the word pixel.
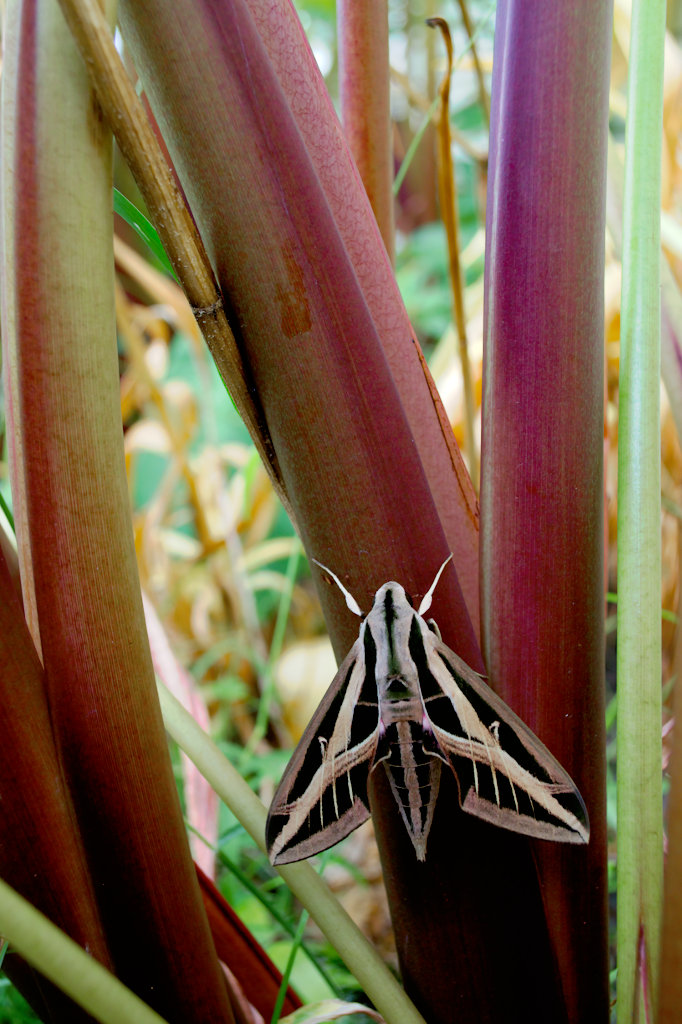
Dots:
pixel 129 123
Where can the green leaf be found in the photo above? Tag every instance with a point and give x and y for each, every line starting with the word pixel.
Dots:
pixel 329 1009
pixel 144 228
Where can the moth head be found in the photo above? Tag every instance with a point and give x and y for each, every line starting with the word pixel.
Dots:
pixel 357 610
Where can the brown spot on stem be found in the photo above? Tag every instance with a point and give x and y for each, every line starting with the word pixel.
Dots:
pixel 293 301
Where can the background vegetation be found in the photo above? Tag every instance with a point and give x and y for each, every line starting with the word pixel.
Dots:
pixel 236 629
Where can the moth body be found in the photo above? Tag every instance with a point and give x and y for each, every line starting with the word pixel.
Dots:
pixel 414 777
pixel 403 700
pixel 413 772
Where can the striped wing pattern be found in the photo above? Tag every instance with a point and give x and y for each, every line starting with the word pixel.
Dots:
pixel 323 794
pixel 404 700
pixel 505 775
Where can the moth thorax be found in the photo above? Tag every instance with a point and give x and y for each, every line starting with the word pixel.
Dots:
pixel 397 689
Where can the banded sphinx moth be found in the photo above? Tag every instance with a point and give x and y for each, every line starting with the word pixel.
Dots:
pixel 402 699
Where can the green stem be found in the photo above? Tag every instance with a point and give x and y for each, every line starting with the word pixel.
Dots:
pixel 63 961
pixel 640 836
pixel 262 715
pixel 360 957
pixel 298 938
pixel 258 893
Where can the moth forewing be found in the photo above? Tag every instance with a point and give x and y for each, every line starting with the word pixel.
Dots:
pixel 514 781
pixel 322 795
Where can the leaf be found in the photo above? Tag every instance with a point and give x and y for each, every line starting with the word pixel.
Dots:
pixel 139 223
pixel 329 1009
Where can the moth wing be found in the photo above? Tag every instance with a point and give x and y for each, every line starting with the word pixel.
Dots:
pixel 323 793
pixel 505 774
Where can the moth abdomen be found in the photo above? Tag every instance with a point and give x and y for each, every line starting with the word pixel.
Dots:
pixel 414 777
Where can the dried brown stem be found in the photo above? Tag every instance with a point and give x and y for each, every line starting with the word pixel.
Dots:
pixel 448 202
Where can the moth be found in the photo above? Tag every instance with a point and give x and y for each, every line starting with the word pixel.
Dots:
pixel 402 702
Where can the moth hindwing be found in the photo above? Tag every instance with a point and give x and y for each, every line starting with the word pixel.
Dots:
pixel 403 700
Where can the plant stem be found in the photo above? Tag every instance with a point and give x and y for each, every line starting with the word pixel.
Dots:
pixel 640 839
pixel 265 701
pixel 448 202
pixel 63 961
pixel 364 88
pixel 361 959
pixel 134 134
pixel 298 939
pixel 471 32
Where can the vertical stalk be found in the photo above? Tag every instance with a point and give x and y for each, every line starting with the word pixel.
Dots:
pixel 640 861
pixel 78 556
pixel 480 77
pixel 670 990
pixel 140 148
pixel 63 961
pixel 309 101
pixel 364 87
pixel 542 570
pixel 448 201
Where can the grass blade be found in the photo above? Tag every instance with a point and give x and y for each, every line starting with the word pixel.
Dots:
pixel 640 839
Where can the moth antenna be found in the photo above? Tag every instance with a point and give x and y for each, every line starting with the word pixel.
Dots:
pixel 428 596
pixel 350 600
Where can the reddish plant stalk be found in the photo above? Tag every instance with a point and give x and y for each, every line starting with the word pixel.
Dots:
pixel 307 97
pixel 258 977
pixel 302 319
pixel 348 460
pixel 364 90
pixel 78 559
pixel 541 489
pixel 41 852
